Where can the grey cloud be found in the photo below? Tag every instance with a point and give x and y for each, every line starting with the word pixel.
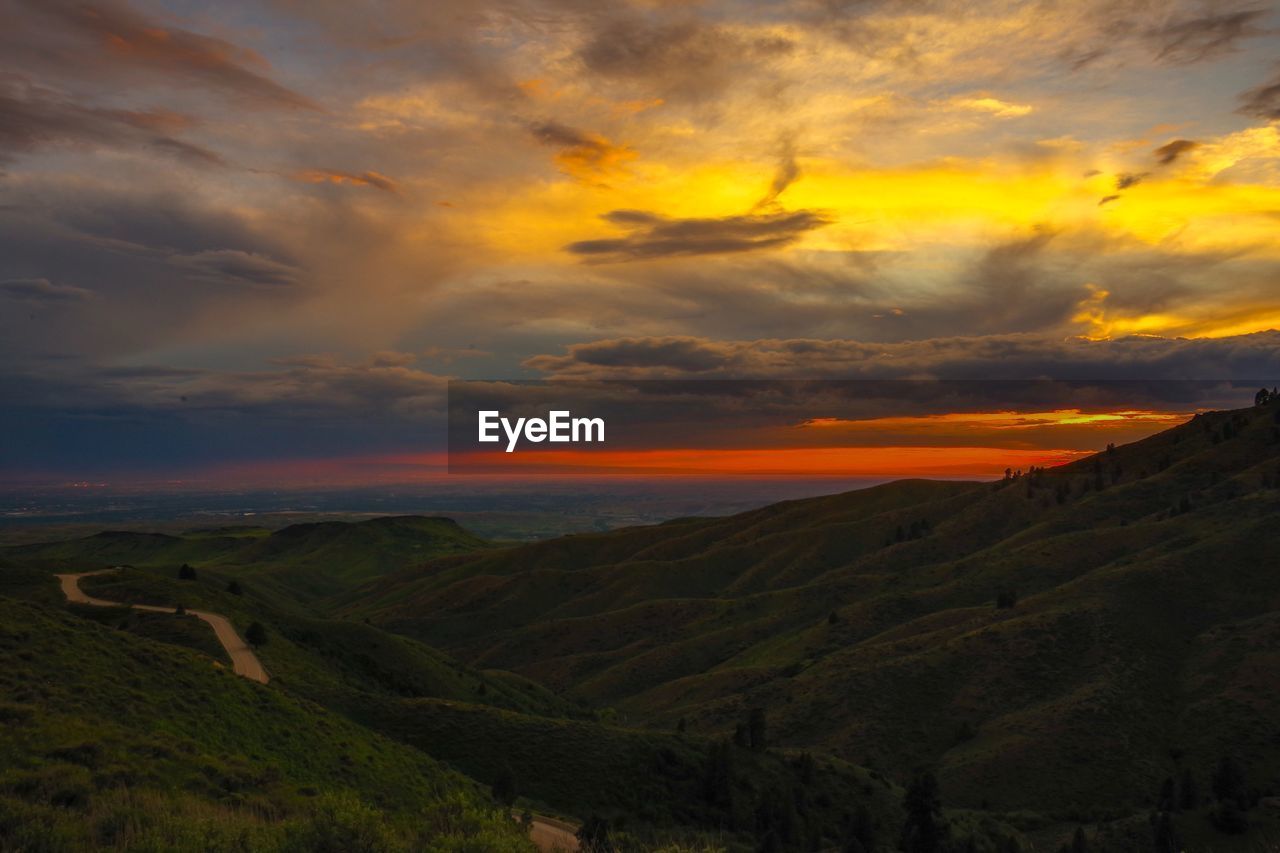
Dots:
pixel 32 116
pixel 1164 30
pixel 1128 179
pixel 297 390
pixel 1196 39
pixel 42 291
pixel 111 34
pixel 1019 356
pixel 691 58
pixel 581 154
pixel 654 236
pixel 1262 101
pixel 559 135
pixel 1171 151
pixel 234 266
pixel 787 173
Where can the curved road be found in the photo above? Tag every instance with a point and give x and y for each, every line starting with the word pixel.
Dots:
pixel 243 659
pixel 548 834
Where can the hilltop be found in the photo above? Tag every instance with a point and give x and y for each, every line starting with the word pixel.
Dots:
pixel 302 562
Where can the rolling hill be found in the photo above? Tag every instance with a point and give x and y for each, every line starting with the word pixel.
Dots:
pixel 1062 640
pixel 301 562
pixel 1054 646
pixel 562 758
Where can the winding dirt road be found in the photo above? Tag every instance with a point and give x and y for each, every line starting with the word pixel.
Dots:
pixel 243 659
pixel 548 834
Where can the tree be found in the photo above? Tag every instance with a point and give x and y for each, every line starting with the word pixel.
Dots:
pixel 1079 841
pixel 923 831
pixel 1229 818
pixel 1167 800
pixel 833 618
pixel 1006 599
pixel 186 573
pixel 593 835
pixel 1166 835
pixel 740 736
pixel 234 588
pixel 504 787
pixel 861 835
pixel 180 610
pixel 1228 781
pixel 256 635
pixel 757 730
pixel 718 782
pixel 1188 792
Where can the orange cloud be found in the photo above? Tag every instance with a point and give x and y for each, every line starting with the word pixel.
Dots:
pixel 583 155
pixel 364 179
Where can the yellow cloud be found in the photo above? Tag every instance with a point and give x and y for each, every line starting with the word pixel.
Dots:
pixel 994 106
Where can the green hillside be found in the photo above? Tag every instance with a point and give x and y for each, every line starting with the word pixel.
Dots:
pixel 492 724
pixel 1144 595
pixel 1089 644
pixel 111 741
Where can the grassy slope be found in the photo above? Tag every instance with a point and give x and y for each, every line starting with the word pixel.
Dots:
pixel 111 740
pixel 299 562
pixel 484 722
pixel 1136 626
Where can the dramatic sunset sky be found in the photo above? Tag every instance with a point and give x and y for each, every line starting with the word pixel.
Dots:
pixel 252 233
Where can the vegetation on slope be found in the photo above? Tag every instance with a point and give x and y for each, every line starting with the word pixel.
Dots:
pixel 1135 587
pixel 110 741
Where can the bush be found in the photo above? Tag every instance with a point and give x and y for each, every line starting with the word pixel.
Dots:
pixel 341 823
pixel 256 635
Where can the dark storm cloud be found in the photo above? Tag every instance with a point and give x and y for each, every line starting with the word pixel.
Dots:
pixel 1262 101
pixel 687 355
pixel 297 389
pixel 31 117
pixel 86 37
pixel 71 417
pixel 691 58
pixel 653 236
pixel 1018 356
pixel 41 291
pixel 1171 151
pixel 160 261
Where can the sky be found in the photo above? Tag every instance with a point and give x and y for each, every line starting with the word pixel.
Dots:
pixel 269 233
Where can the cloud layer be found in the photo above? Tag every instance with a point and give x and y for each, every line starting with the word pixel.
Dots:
pixel 194 203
